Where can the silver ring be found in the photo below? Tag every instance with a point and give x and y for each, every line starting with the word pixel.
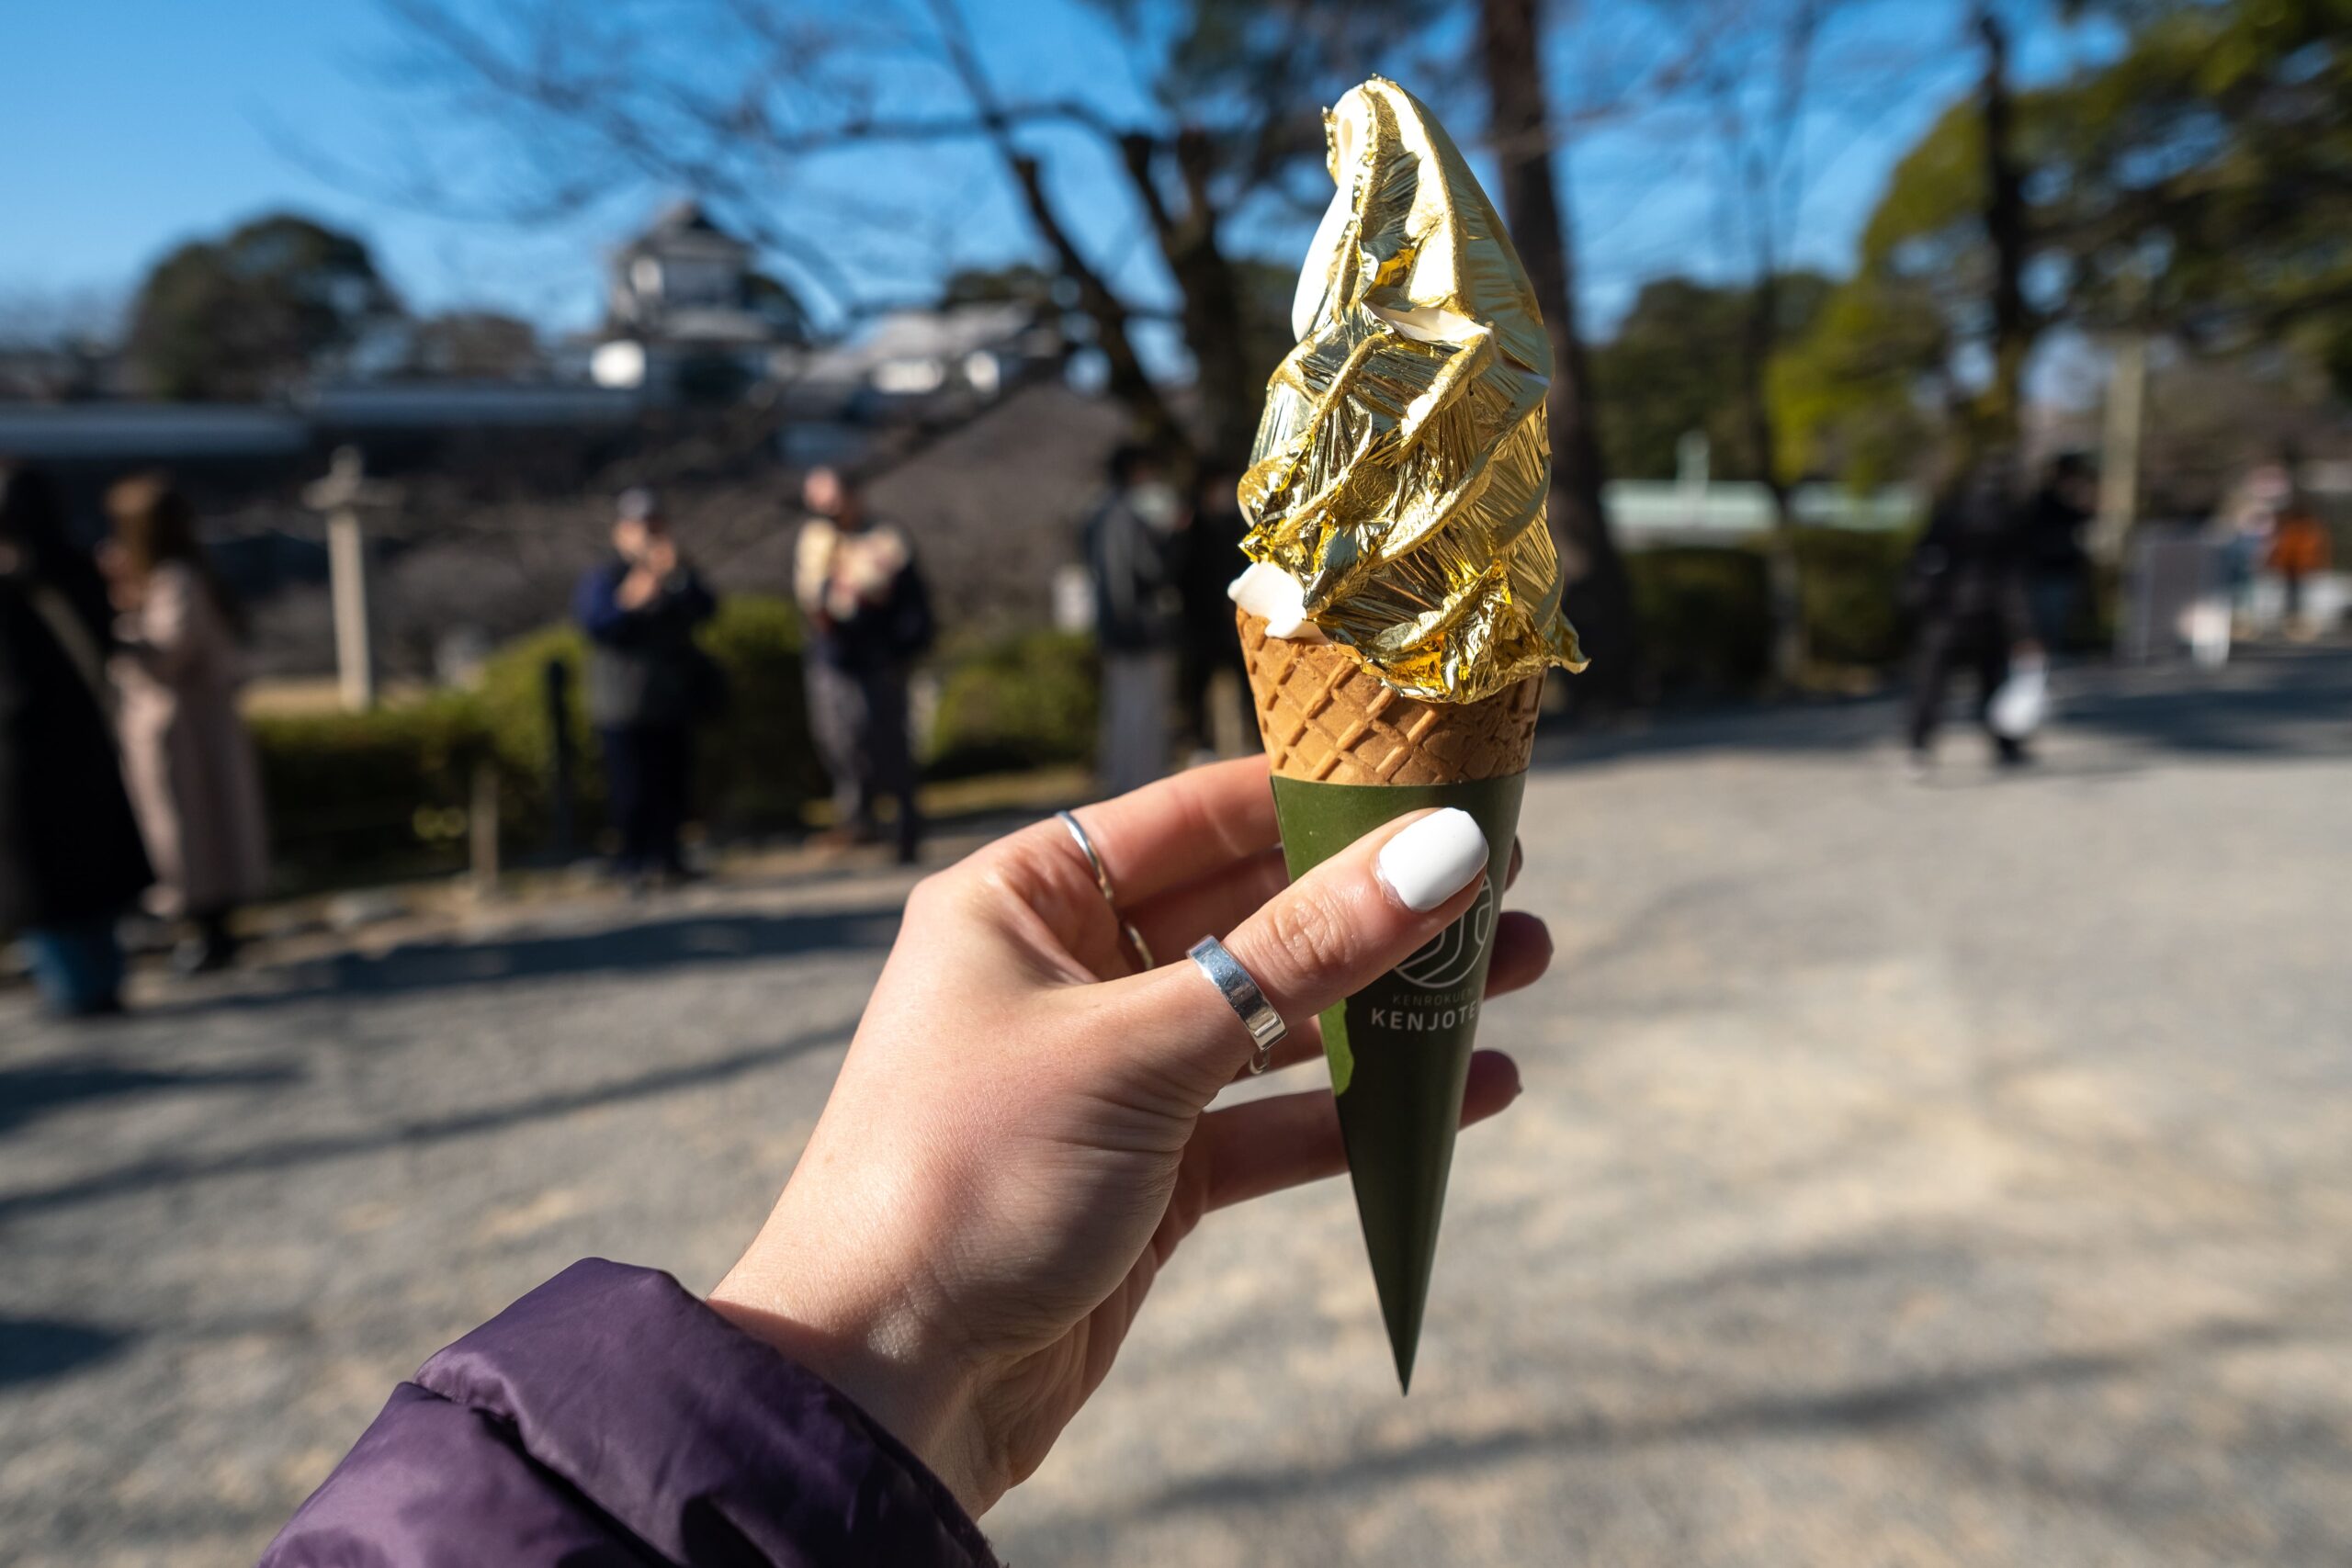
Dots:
pixel 1241 992
pixel 1103 882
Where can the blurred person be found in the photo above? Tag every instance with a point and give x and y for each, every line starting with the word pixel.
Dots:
pixel 1131 552
pixel 179 666
pixel 2057 567
pixel 1209 559
pixel 71 859
pixel 2242 528
pixel 870 618
pixel 1019 1138
pixel 1966 585
pixel 649 683
pixel 2298 551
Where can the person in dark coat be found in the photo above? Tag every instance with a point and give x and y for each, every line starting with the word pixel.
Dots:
pixel 1018 1139
pixel 1129 543
pixel 647 682
pixel 1209 557
pixel 868 614
pixel 1967 587
pixel 2057 567
pixel 71 859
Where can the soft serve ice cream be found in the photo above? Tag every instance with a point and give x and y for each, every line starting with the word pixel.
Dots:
pixel 1400 609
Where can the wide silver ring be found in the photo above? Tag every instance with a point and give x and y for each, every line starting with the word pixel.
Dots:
pixel 1102 881
pixel 1241 992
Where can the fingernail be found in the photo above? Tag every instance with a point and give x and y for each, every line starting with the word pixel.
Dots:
pixel 1432 860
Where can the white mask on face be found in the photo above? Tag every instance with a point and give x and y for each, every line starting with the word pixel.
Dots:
pixel 1157 503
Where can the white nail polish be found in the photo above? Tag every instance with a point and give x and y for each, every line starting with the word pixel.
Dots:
pixel 1432 860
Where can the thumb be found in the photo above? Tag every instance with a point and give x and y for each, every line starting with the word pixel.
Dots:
pixel 1325 937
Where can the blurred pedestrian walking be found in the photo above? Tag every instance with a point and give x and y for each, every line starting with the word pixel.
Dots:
pixel 1210 558
pixel 71 859
pixel 649 685
pixel 2299 550
pixel 1130 549
pixel 1966 586
pixel 2057 566
pixel 194 779
pixel 870 618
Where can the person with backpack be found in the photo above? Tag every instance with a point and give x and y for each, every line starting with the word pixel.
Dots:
pixel 868 615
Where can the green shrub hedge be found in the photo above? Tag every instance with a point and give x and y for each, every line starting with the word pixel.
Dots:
pixel 755 766
pixel 385 792
pixel 1025 701
pixel 1852 584
pixel 758 767
pixel 1704 618
pixel 1706 609
pixel 367 795
pixel 510 701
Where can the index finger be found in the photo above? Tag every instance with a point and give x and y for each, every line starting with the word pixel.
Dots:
pixel 1167 834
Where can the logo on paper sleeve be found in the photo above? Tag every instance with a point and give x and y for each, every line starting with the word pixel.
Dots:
pixel 1451 957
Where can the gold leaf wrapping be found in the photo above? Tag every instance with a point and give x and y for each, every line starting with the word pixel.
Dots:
pixel 1402 462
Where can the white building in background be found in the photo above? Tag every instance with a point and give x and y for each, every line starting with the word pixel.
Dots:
pixel 911 364
pixel 973 350
pixel 688 318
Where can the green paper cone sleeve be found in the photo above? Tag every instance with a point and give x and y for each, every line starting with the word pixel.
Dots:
pixel 1349 754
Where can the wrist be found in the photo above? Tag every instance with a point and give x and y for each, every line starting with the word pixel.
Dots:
pixel 880 1360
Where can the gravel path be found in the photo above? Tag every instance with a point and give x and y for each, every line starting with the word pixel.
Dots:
pixel 1907 1175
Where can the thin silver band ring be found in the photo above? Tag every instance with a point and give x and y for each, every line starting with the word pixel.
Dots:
pixel 1103 882
pixel 1241 994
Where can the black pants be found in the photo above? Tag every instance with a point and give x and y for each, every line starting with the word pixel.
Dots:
pixel 647 768
pixel 1948 642
pixel 859 720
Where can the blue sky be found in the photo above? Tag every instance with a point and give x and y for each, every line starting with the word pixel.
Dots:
pixel 135 124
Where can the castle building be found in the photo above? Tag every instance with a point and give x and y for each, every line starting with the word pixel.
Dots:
pixel 688 318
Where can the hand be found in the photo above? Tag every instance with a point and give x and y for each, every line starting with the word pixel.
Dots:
pixel 638 589
pixel 1019 1137
pixel 660 556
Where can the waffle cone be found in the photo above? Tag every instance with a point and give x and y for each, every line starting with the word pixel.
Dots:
pixel 1327 718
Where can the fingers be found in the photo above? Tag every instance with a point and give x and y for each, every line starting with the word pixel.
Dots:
pixel 1210 906
pixel 1182 828
pixel 1195 826
pixel 1523 952
pixel 1267 1145
pixel 1363 911
pixel 1329 934
pixel 1214 905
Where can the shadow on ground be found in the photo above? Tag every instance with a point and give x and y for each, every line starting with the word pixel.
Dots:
pixel 620 949
pixel 33 1348
pixel 1853 1409
pixel 37 1089
pixel 172 1170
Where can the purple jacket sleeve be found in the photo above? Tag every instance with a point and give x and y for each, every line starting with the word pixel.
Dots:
pixel 609 1417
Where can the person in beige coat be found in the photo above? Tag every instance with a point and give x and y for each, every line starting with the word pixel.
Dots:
pixel 186 755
